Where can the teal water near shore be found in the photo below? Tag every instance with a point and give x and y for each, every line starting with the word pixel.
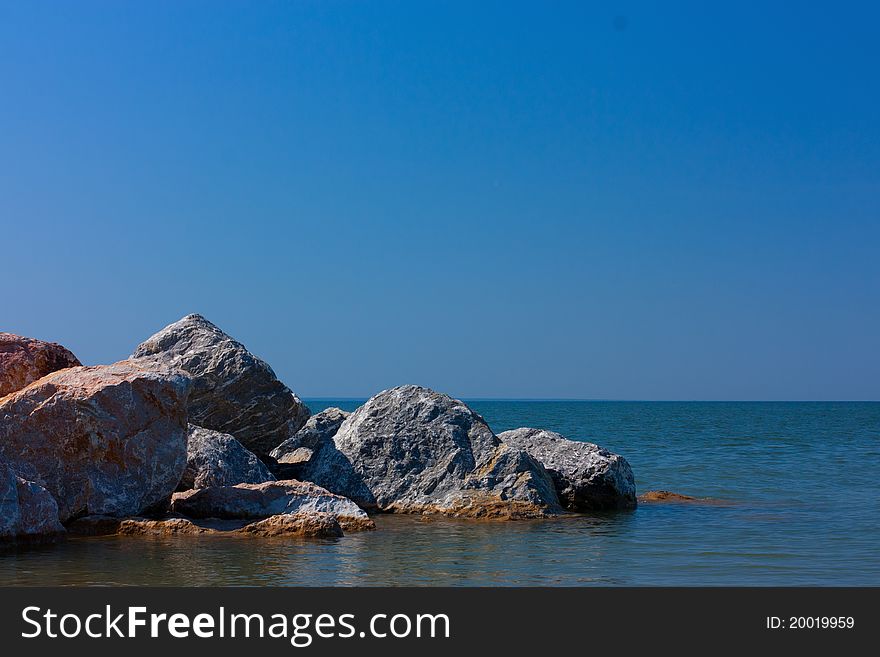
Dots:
pixel 799 481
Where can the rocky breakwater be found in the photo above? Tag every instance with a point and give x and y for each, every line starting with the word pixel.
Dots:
pixel 108 440
pixel 101 449
pixel 586 477
pixel 233 391
pixel 413 450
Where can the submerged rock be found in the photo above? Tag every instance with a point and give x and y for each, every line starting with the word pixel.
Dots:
pixel 24 360
pixel 304 525
pixel 269 499
pixel 664 496
pixel 27 510
pixel 668 497
pixel 163 527
pixel 233 391
pixel 218 459
pixel 586 477
pixel 103 440
pixel 419 451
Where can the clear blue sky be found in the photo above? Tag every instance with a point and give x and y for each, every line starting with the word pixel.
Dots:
pixel 578 200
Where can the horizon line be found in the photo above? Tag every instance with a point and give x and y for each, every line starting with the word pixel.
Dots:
pixel 624 400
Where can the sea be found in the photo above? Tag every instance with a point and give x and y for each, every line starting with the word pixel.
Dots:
pixel 795 491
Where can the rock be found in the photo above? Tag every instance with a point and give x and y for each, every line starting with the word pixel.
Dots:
pixel 268 499
pixel 315 433
pixel 102 440
pixel 218 459
pixel 664 496
pixel 233 391
pixel 137 526
pixel 94 526
pixel 587 477
pixel 27 510
pixel 311 455
pixel 164 527
pixel 668 497
pixel 310 525
pixel 418 451
pixel 305 525
pixel 24 360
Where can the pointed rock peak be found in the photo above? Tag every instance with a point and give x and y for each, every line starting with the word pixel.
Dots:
pixel 234 392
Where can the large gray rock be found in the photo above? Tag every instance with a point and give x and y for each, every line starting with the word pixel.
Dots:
pixel 218 459
pixel 24 360
pixel 27 510
pixel 587 477
pixel 102 440
pixel 233 391
pixel 419 451
pixel 269 499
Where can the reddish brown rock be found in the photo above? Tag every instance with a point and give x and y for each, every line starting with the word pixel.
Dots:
pixel 105 440
pixel 164 527
pixel 24 360
pixel 665 496
pixel 305 525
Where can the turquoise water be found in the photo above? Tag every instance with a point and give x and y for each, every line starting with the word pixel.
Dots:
pixel 801 480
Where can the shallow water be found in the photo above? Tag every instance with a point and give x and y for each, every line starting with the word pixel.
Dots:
pixel 801 479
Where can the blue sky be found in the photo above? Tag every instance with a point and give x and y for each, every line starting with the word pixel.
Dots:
pixel 561 200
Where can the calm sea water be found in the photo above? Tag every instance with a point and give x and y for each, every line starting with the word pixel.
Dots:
pixel 802 479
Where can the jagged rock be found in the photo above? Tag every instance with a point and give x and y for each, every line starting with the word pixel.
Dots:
pixel 311 455
pixel 419 451
pixel 218 459
pixel 27 510
pixel 24 360
pixel 269 499
pixel 315 433
pixel 309 525
pixel 103 440
pixel 233 391
pixel 586 477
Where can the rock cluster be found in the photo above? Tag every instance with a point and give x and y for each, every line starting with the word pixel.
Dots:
pixel 102 450
pixel 418 451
